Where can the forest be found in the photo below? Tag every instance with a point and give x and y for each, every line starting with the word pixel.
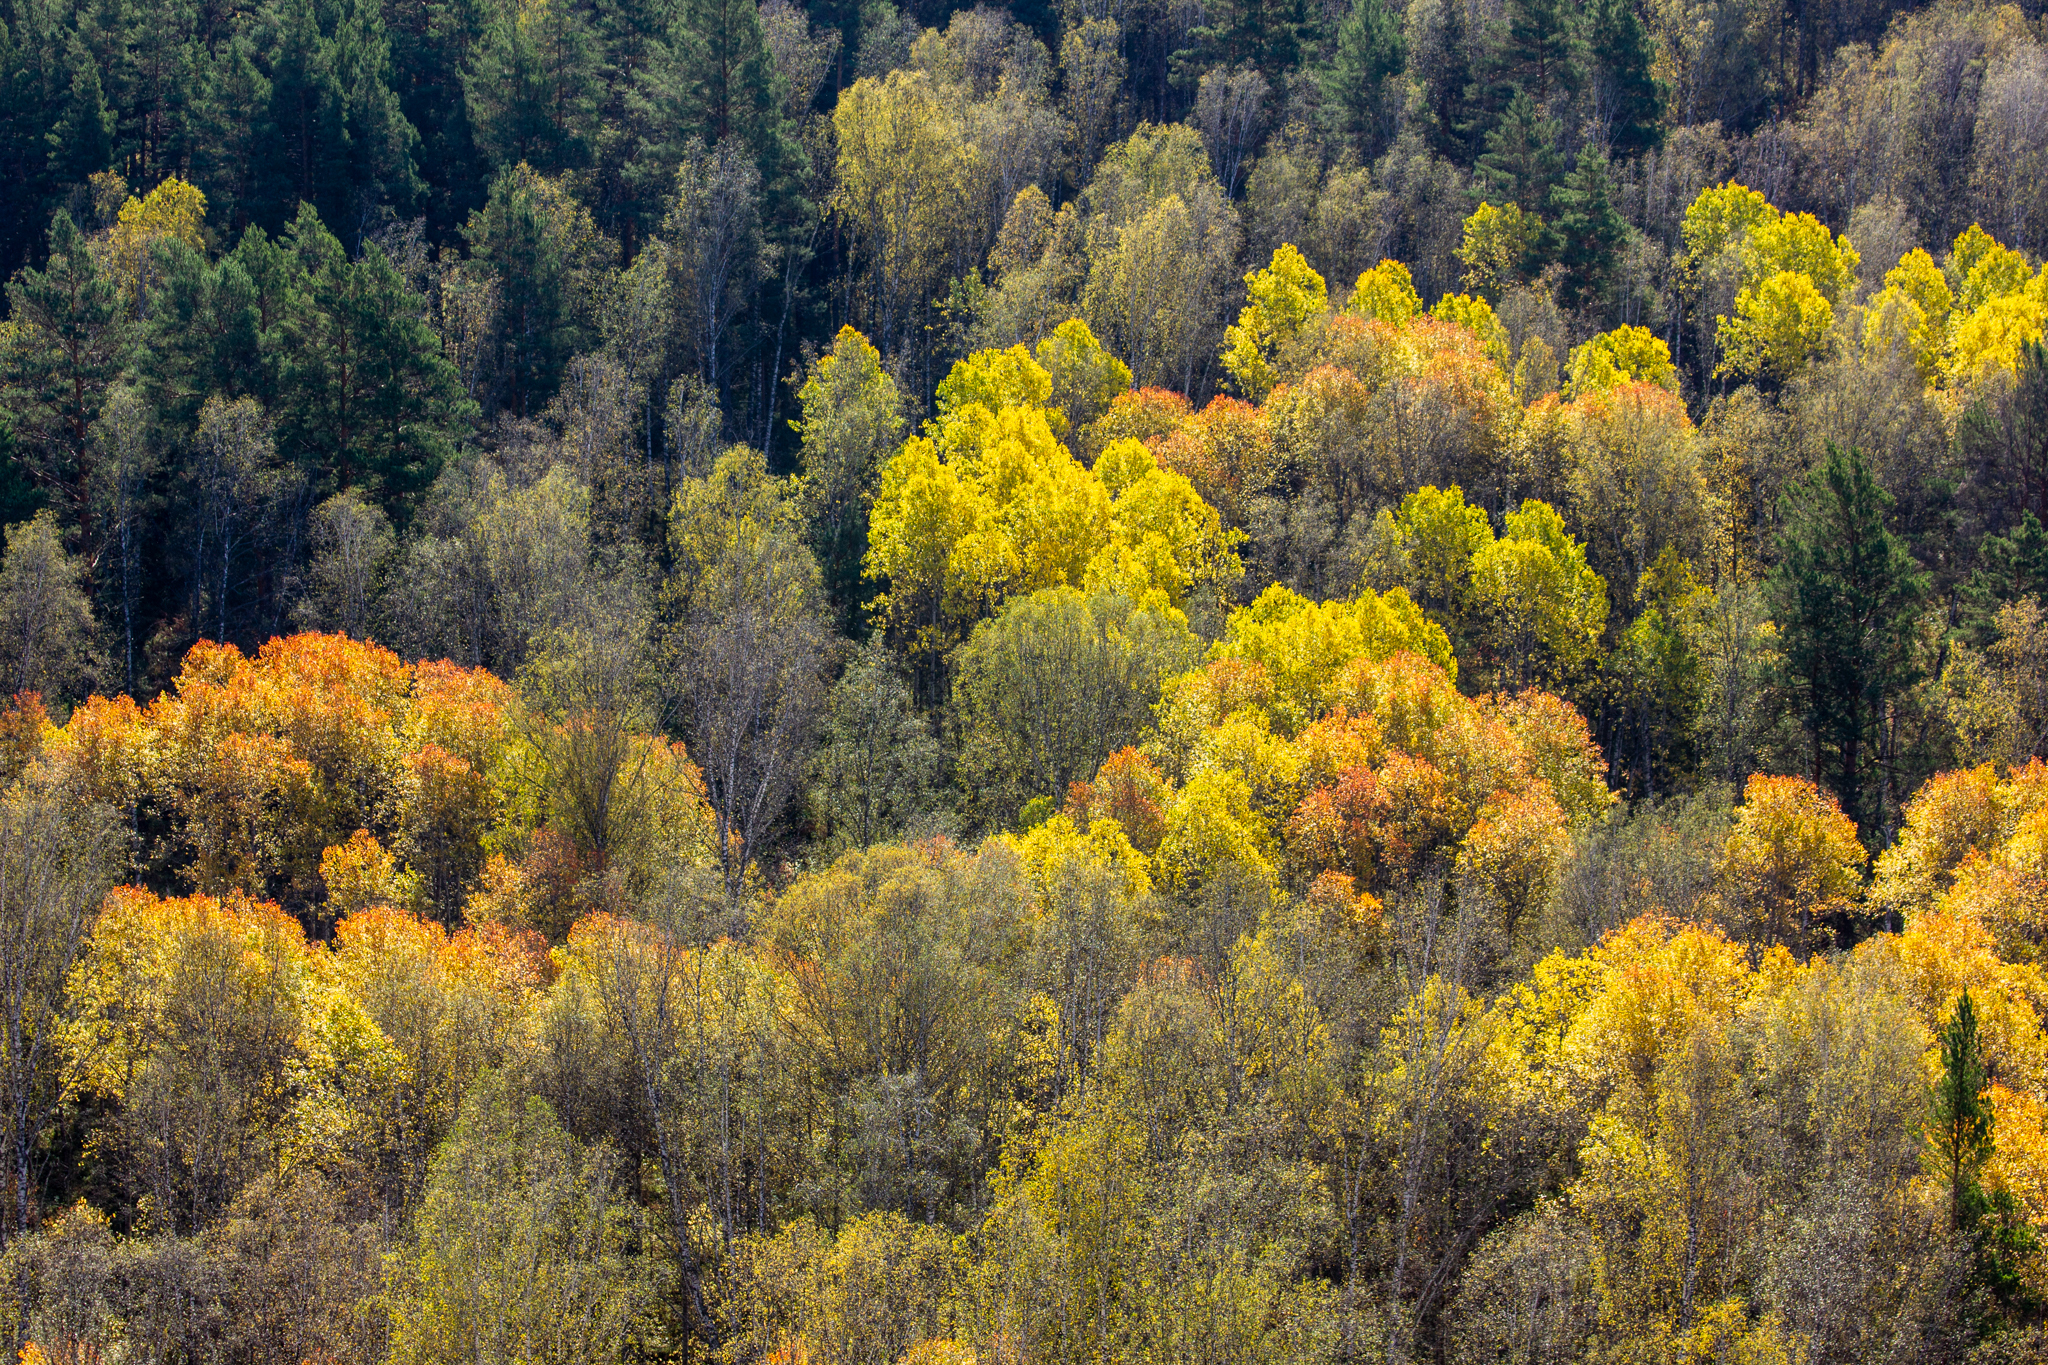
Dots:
pixel 1162 681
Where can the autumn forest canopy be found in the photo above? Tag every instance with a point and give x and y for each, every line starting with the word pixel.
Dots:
pixel 1219 681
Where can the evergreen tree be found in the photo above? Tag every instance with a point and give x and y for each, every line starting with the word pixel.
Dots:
pixel 82 141
pixel 1845 595
pixel 301 153
pixel 53 390
pixel 431 42
pixel 537 327
pixel 33 73
pixel 367 400
pixel 2011 567
pixel 1589 227
pixel 209 332
pixel 1521 163
pixel 1370 49
pixel 532 86
pixel 1628 99
pixel 1455 126
pixel 1958 1120
pixel 1542 54
pixel 710 79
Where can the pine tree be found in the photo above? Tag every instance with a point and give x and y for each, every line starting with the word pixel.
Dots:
pixel 2011 567
pixel 53 389
pixel 1959 1121
pixel 1370 48
pixel 82 142
pixel 1590 229
pixel 531 88
pixel 1456 127
pixel 367 399
pixel 1628 99
pixel 1521 163
pixel 1543 51
pixel 1845 595
pixel 712 78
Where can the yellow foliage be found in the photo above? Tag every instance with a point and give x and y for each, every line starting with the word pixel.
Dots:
pixel 1990 339
pixel 360 874
pixel 1301 644
pixel 1476 316
pixel 1790 862
pixel 174 209
pixel 1778 326
pixel 1387 293
pixel 1626 355
pixel 1494 245
pixel 1283 300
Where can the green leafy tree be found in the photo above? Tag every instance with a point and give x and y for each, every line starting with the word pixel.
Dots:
pixel 879 766
pixel 525 1246
pixel 46 623
pixel 1053 685
pixel 1846 596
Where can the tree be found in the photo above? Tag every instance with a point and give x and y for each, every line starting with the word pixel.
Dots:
pixel 1627 96
pixel 329 131
pixel 1521 163
pixel 1092 73
pixel 544 253
pixel 878 766
pixel 1370 49
pixel 1591 228
pixel 524 1247
pixel 908 183
pixel 1778 326
pixel 2004 438
pixel 368 400
pixel 1959 1139
pixel 1543 51
pixel 1051 687
pixel 242 498
pixel 1789 866
pixel 81 141
pixel 711 80
pixel 56 861
pixel 1846 596
pixel 1230 110
pixel 351 545
pixel 1283 303
pixel 749 649
pixel 712 237
pixel 1544 607
pixel 852 417
pixel 67 345
pixel 46 623
pixel 531 88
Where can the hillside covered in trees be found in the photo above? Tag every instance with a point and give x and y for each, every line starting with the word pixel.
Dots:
pixel 1216 681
